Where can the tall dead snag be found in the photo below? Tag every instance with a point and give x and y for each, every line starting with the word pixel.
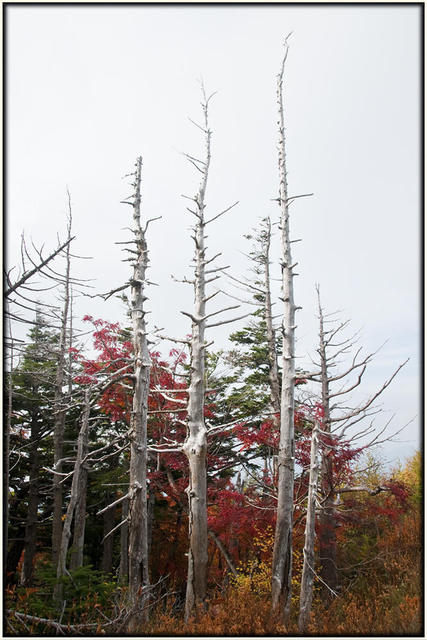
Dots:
pixel 282 554
pixel 306 593
pixel 138 547
pixel 59 407
pixel 195 445
pixel 196 442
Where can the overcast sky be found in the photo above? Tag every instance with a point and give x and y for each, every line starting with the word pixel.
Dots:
pixel 89 88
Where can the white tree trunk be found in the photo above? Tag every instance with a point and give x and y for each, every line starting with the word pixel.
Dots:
pixel 282 554
pixel 306 593
pixel 195 445
pixel 138 548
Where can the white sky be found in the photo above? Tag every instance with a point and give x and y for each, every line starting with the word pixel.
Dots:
pixel 90 88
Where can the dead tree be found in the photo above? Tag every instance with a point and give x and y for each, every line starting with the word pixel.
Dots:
pixel 13 287
pixel 195 445
pixel 138 518
pixel 76 556
pixel 339 424
pixel 196 442
pixel 60 405
pixel 20 295
pixel 306 592
pixel 282 553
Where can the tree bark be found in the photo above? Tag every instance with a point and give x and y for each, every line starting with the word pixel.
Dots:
pixel 138 534
pixel 76 559
pixel 282 553
pixel 306 593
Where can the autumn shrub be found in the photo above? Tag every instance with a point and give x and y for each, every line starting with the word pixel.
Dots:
pixel 242 608
pixel 382 591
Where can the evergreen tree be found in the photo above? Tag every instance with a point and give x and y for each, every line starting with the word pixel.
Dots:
pixel 31 428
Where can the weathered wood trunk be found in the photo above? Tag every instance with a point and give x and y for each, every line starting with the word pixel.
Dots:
pixel 282 553
pixel 195 445
pixel 76 558
pixel 138 533
pixel 306 593
pixel 75 484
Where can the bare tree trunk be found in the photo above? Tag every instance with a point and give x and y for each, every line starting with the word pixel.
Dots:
pixel 196 442
pixel 138 534
pixel 75 484
pixel 282 554
pixel 59 408
pixel 224 552
pixel 124 536
pixel 327 520
pixel 306 593
pixel 76 559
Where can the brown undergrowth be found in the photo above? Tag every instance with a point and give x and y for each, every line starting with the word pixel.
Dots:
pixel 381 597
